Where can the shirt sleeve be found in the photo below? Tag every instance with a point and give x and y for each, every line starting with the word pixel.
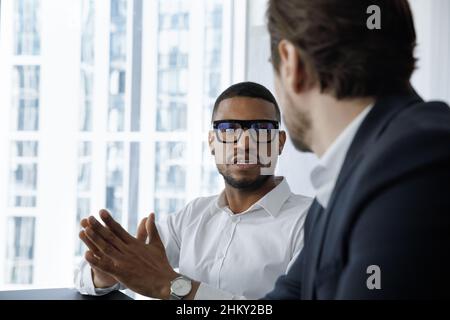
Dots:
pixel 169 235
pixel 85 285
pixel 206 292
pixel 289 285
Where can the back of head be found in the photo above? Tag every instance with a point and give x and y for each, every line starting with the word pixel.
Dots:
pixel 338 49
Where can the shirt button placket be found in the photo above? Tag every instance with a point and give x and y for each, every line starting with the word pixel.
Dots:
pixel 234 222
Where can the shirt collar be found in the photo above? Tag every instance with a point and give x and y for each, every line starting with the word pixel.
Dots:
pixel 324 175
pixel 271 202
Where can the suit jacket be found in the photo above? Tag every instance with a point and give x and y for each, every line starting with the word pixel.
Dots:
pixel 390 208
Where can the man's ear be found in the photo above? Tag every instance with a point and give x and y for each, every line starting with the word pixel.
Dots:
pixel 282 141
pixel 292 71
pixel 211 138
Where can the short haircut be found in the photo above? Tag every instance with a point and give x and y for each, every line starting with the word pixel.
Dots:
pixel 250 90
pixel 339 52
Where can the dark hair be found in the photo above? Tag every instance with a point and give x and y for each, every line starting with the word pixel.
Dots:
pixel 250 90
pixel 338 50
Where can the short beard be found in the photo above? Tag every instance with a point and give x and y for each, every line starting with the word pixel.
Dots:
pixel 246 185
pixel 299 127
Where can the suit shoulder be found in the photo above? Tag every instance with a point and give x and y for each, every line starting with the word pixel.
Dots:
pixel 418 137
pixel 426 117
pixel 425 126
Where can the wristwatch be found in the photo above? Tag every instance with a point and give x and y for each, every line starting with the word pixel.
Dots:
pixel 180 287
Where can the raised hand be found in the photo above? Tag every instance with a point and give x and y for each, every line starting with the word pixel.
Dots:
pixel 102 279
pixel 144 268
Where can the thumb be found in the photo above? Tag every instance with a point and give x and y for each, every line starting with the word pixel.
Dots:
pixel 152 230
pixel 142 231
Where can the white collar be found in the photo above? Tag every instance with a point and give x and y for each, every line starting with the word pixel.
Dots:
pixel 271 202
pixel 324 175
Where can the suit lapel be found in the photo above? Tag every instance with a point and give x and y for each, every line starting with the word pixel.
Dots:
pixel 315 214
pixel 372 127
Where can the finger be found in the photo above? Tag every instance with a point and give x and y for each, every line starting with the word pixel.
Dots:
pixel 101 264
pixel 142 232
pixel 84 223
pixel 106 248
pixel 106 234
pixel 91 246
pixel 115 227
pixel 152 230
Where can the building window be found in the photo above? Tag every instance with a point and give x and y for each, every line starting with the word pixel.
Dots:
pixel 83 189
pixel 23 174
pixel 128 134
pixel 173 51
pixel 170 176
pixel 27 27
pixel 87 64
pixel 26 81
pixel 118 60
pixel 87 31
pixel 83 211
pixel 171 116
pixel 212 81
pixel 86 97
pixel 115 178
pixel 20 250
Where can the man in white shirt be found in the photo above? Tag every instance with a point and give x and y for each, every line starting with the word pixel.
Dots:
pixel 230 245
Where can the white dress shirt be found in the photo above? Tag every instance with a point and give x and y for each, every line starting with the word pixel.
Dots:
pixel 324 175
pixel 232 255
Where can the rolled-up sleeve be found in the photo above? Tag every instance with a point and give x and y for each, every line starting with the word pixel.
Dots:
pixel 85 285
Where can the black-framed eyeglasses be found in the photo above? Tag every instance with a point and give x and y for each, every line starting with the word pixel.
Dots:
pixel 261 131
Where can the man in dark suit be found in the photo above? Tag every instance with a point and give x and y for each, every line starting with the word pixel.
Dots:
pixel 379 227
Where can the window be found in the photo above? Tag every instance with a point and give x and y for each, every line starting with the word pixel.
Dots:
pixel 118 59
pixel 212 87
pixel 26 98
pixel 87 64
pixel 23 76
pixel 114 179
pixel 86 99
pixel 84 182
pixel 170 161
pixel 23 174
pixel 27 27
pixel 20 250
pixel 125 128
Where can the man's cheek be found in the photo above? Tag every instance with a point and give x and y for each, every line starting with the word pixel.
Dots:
pixel 279 92
pixel 276 82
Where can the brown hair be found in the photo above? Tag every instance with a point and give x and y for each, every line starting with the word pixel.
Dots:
pixel 339 51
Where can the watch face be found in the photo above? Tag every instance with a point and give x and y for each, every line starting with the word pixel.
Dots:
pixel 181 287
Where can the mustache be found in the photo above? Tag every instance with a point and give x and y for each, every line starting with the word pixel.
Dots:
pixel 247 157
